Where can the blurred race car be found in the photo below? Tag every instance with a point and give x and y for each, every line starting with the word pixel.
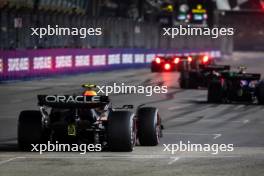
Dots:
pixel 201 76
pixel 88 118
pixel 195 62
pixel 164 64
pixel 179 63
pixel 236 87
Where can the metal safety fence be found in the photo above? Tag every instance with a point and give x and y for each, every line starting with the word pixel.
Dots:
pixel 15 32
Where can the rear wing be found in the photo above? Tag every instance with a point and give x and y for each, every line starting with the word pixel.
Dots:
pixel 72 101
pixel 215 67
pixel 183 58
pixel 241 76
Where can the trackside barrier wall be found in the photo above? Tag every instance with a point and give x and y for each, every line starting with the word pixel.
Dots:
pixel 26 64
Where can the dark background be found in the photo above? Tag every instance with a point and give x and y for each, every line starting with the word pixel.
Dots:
pixel 128 24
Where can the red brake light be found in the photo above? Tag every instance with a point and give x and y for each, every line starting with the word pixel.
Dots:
pixel 158 60
pixel 176 60
pixel 167 66
pixel 205 59
pixel 222 80
pixel 262 4
pixel 189 59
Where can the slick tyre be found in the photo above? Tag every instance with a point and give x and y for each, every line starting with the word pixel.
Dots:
pixel 215 92
pixel 153 70
pixel 193 80
pixel 184 80
pixel 30 129
pixel 260 93
pixel 149 126
pixel 121 131
pixel 188 80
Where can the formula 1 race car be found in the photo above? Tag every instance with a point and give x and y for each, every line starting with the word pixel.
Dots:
pixel 236 87
pixel 194 62
pixel 179 63
pixel 200 76
pixel 88 119
pixel 165 64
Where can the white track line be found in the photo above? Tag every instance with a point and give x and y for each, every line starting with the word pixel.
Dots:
pixel 178 107
pixel 9 160
pixel 174 159
pixel 216 135
pixel 246 121
pixel 182 119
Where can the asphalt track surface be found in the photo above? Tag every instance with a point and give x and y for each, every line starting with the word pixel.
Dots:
pixel 186 116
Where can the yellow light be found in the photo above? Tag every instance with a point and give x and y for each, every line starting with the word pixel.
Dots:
pixel 199 6
pixel 170 8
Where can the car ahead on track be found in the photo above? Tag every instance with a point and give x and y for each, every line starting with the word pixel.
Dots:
pixel 194 62
pixel 236 87
pixel 177 63
pixel 200 76
pixel 89 119
pixel 165 64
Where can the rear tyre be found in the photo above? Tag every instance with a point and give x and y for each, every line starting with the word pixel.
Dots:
pixel 149 126
pixel 153 70
pixel 215 92
pixel 188 80
pixel 184 80
pixel 121 131
pixel 193 80
pixel 30 129
pixel 260 93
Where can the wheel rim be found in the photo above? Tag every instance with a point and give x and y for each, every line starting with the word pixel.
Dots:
pixel 158 133
pixel 158 129
pixel 133 133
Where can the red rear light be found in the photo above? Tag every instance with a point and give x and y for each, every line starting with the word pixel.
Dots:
pixel 205 59
pixel 167 66
pixel 189 59
pixel 222 80
pixel 158 60
pixel 262 4
pixel 176 60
